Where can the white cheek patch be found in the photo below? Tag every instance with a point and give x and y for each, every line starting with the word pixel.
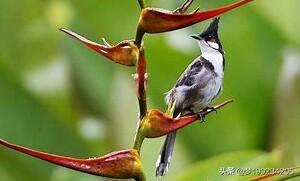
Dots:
pixel 213 45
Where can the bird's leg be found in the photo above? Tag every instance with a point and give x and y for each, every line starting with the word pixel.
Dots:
pixel 199 114
pixel 201 117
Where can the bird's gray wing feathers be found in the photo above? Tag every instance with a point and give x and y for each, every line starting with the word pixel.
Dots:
pixel 189 85
pixel 187 78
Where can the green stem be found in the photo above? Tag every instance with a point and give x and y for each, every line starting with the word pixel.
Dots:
pixel 142 3
pixel 139 37
pixel 139 138
pixel 141 92
pixel 141 81
pixel 141 177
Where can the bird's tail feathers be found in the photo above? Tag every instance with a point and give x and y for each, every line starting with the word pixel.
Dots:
pixel 164 158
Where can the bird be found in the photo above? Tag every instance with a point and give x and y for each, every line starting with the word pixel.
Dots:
pixel 197 87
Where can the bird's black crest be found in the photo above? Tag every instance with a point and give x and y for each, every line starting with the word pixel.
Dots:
pixel 211 33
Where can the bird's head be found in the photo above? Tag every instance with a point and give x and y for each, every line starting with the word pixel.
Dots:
pixel 209 40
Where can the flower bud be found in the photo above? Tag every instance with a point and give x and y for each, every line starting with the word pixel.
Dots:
pixel 125 52
pixel 157 124
pixel 123 164
pixel 156 20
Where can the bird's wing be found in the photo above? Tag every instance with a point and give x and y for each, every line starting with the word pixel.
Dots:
pixel 191 83
pixel 187 77
pixel 198 68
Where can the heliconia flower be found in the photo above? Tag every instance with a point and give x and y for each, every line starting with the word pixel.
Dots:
pixel 156 20
pixel 123 164
pixel 125 52
pixel 157 124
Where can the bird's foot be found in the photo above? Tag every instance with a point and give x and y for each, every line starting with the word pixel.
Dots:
pixel 201 117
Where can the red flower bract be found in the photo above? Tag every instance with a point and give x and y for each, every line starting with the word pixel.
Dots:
pixel 125 52
pixel 120 164
pixel 156 20
pixel 157 123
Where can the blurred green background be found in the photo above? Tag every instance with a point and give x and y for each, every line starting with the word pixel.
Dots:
pixel 58 96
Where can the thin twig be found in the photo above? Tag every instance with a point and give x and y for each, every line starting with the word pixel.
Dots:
pixel 142 3
pixel 139 37
pixel 207 111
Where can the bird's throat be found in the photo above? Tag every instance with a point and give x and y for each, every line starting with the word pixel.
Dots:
pixel 216 59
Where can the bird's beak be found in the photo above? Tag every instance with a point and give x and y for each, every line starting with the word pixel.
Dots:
pixel 197 37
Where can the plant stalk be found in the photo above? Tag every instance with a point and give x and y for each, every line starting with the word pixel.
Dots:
pixel 142 3
pixel 141 83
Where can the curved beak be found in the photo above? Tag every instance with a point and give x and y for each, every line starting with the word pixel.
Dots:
pixel 197 37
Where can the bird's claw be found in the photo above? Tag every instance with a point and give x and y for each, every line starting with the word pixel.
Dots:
pixel 201 117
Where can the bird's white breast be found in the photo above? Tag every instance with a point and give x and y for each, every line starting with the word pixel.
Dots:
pixel 214 85
pixel 216 59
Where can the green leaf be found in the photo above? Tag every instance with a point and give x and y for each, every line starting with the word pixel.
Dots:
pixel 209 169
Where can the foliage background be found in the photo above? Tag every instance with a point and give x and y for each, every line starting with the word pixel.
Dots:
pixel 58 96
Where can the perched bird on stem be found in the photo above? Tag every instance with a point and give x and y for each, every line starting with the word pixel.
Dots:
pixel 196 88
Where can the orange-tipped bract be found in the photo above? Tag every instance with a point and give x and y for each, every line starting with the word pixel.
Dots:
pixel 123 164
pixel 157 124
pixel 125 52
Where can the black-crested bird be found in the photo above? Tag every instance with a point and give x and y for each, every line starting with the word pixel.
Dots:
pixel 196 88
